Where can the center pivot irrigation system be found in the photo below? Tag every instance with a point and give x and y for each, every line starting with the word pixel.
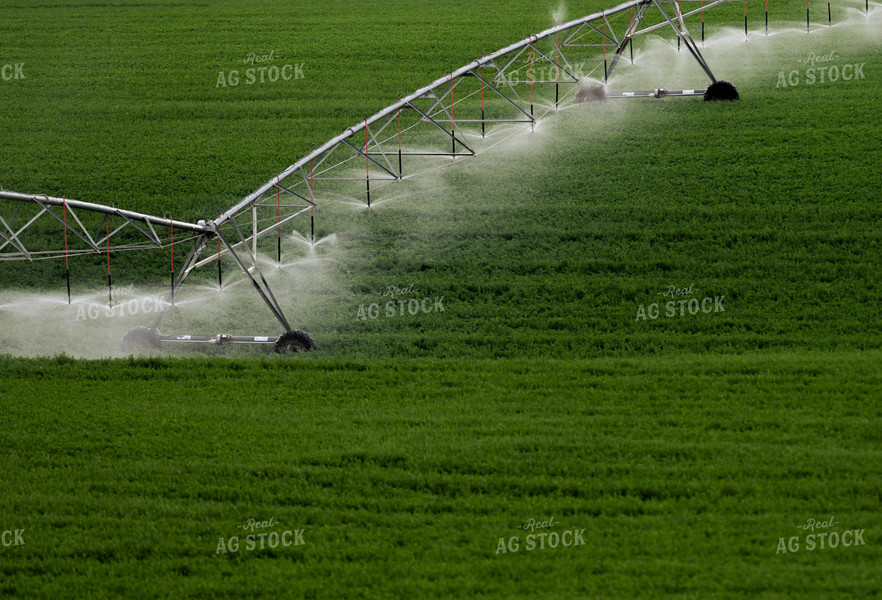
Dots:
pixel 419 133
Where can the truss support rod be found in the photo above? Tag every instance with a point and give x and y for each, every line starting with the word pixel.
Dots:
pixel 370 158
pixel 13 240
pixel 198 245
pixel 112 233
pixel 439 100
pixel 138 227
pixel 685 16
pixel 530 117
pixel 15 213
pixel 90 241
pixel 74 231
pixel 253 234
pixel 501 72
pixel 610 37
pixel 293 193
pixel 214 257
pixel 23 228
pixel 441 127
pixel 687 39
pixel 279 316
pixel 507 99
pixel 556 64
pixel 270 301
pixel 373 136
pixel 638 17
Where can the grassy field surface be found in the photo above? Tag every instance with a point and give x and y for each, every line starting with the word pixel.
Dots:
pixel 683 472
pixel 539 389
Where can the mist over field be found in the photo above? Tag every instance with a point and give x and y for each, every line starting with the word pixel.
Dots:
pixel 321 286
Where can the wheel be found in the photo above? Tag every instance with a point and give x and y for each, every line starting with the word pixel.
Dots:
pixel 591 93
pixel 720 90
pixel 294 340
pixel 140 339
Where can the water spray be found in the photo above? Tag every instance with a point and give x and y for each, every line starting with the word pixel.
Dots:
pixel 306 177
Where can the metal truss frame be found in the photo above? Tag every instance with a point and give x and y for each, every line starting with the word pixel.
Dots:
pixel 498 88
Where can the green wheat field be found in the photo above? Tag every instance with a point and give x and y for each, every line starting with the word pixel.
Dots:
pixel 558 420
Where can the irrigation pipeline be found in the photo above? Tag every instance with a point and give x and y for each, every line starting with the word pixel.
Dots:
pixel 496 77
pixel 469 70
pixel 45 201
pixel 372 152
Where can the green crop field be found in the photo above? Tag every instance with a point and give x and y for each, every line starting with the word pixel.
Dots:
pixel 650 365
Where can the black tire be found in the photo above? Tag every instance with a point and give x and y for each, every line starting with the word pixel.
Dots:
pixel 720 90
pixel 294 340
pixel 140 339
